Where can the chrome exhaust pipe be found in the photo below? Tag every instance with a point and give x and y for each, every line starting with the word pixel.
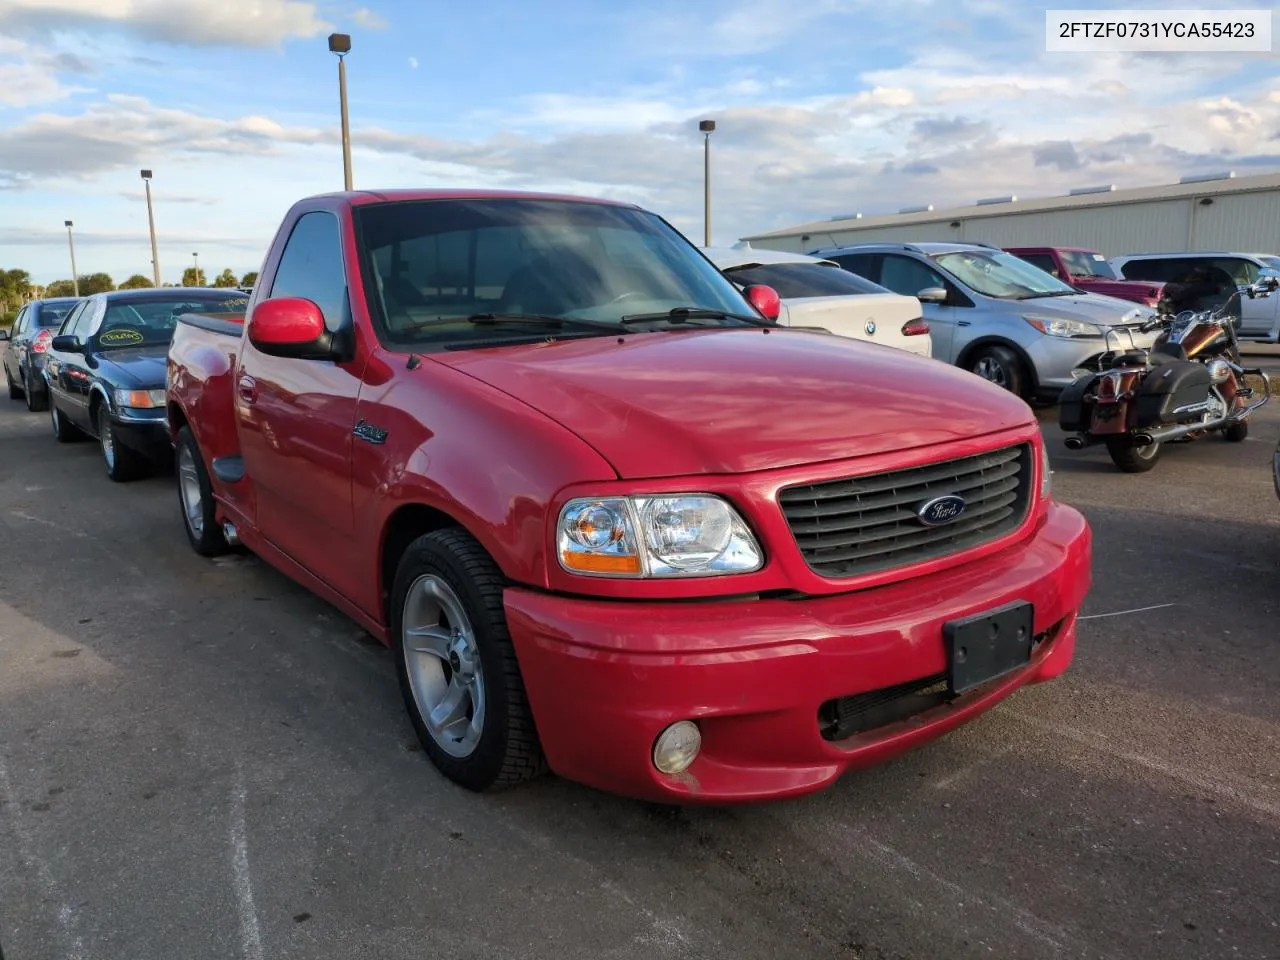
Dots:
pixel 230 534
pixel 1164 434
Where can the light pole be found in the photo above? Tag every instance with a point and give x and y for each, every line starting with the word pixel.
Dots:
pixel 340 43
pixel 151 222
pixel 706 126
pixel 195 278
pixel 75 279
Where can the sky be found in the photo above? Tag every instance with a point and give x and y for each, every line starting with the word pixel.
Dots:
pixel 823 108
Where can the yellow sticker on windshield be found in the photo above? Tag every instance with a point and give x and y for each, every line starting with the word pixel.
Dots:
pixel 120 336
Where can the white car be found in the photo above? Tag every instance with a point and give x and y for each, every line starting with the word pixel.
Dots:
pixel 821 293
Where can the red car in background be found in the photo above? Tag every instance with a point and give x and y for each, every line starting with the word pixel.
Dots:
pixel 610 518
pixel 1088 270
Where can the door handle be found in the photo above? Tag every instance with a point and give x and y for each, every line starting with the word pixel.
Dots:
pixel 248 389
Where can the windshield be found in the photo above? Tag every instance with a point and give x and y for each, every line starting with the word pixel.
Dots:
pixel 1272 263
pixel 994 273
pixel 1080 263
pixel 436 263
pixel 794 281
pixel 150 322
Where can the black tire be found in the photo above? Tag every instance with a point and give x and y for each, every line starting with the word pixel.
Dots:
pixel 507 751
pixel 203 533
pixel 999 365
pixel 123 463
pixel 1131 458
pixel 37 400
pixel 1237 432
pixel 64 431
pixel 15 391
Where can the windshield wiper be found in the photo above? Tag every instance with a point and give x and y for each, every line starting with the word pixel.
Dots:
pixel 685 314
pixel 534 319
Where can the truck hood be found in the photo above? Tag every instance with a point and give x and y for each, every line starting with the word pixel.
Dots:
pixel 735 400
pixel 1124 289
pixel 1091 307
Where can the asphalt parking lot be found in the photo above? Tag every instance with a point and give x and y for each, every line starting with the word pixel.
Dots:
pixel 201 760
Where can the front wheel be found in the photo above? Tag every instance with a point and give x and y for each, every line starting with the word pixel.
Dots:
pixel 1132 458
pixel 15 391
pixel 457 666
pixel 123 463
pixel 1001 366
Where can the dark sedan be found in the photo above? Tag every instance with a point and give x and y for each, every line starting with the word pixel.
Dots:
pixel 27 342
pixel 106 370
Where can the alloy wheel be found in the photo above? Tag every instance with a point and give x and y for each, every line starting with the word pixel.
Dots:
pixel 189 488
pixel 442 660
pixel 991 369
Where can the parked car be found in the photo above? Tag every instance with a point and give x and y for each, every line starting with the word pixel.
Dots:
pixel 998 316
pixel 610 518
pixel 1089 271
pixel 1211 278
pixel 820 293
pixel 23 347
pixel 105 371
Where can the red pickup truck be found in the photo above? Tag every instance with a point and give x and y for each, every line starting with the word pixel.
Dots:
pixel 1088 270
pixel 609 517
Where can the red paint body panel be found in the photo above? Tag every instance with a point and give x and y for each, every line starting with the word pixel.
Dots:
pixel 498 439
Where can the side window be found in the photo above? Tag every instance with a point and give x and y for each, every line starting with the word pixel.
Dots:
pixel 20 322
pixel 72 318
pixel 84 323
pixel 1241 271
pixel 1153 271
pixel 311 267
pixel 907 276
pixel 863 264
pixel 1044 262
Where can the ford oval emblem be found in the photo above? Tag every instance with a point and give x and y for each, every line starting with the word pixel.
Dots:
pixel 871 328
pixel 940 510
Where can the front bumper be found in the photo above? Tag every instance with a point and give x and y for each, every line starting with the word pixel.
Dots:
pixel 605 677
pixel 143 430
pixel 1056 357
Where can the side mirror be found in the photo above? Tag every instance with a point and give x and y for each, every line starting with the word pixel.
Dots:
pixel 290 327
pixel 67 344
pixel 4 334
pixel 765 299
pixel 932 295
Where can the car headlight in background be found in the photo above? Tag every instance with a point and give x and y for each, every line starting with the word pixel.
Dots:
pixel 139 399
pixel 673 535
pixel 1063 326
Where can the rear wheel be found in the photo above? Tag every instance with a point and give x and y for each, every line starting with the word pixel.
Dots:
pixel 1001 366
pixel 457 666
pixel 36 401
pixel 1131 458
pixel 195 494
pixel 1237 431
pixel 123 463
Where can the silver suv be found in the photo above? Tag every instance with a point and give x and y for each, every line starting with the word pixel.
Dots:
pixel 998 316
pixel 1203 279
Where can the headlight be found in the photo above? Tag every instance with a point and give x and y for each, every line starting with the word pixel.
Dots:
pixel 674 535
pixel 145 399
pixel 1063 327
pixel 1046 472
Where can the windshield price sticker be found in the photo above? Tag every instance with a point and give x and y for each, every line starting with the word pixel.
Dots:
pixel 121 336
pixel 1158 31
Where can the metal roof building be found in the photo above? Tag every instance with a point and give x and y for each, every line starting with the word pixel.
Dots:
pixel 1215 212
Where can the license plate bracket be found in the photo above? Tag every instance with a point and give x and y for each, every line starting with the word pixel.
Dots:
pixel 988 645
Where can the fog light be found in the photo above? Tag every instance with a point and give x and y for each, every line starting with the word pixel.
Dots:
pixel 677 747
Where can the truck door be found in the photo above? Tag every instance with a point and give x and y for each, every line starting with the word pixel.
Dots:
pixel 295 417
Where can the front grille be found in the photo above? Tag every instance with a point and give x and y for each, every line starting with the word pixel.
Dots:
pixel 861 525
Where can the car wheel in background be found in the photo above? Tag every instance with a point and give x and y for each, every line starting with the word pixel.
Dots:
pixel 63 429
pixel 123 464
pixel 999 365
pixel 1131 458
pixel 36 400
pixel 195 494
pixel 457 666
pixel 15 391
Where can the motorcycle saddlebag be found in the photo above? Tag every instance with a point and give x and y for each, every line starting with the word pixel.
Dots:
pixel 1073 417
pixel 1169 388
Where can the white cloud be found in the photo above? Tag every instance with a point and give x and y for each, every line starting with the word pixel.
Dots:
pixel 413 63
pixel 368 19
pixel 190 22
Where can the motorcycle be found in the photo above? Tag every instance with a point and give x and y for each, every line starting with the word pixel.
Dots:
pixel 1189 384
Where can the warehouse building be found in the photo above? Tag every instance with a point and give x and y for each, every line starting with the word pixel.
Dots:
pixel 1211 212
